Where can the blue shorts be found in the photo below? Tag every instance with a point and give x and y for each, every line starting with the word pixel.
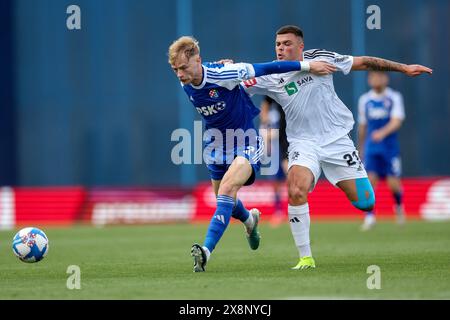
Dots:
pixel 251 153
pixel 383 165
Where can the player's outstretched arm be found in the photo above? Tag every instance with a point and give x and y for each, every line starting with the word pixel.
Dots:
pixel 316 67
pixel 379 64
pixel 262 69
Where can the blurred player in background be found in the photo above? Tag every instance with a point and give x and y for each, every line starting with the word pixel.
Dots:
pixel 380 116
pixel 272 119
pixel 215 92
pixel 317 128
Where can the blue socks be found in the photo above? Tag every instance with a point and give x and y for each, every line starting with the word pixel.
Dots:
pixel 219 221
pixel 398 198
pixel 239 211
pixel 398 201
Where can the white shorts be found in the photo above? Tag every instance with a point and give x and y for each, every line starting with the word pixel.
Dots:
pixel 339 160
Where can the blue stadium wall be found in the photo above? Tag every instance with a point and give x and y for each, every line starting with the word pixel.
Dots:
pixel 97 106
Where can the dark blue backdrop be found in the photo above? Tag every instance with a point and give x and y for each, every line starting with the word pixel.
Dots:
pixel 97 106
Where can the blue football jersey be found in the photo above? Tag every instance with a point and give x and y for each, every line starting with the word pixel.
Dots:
pixel 221 101
pixel 375 110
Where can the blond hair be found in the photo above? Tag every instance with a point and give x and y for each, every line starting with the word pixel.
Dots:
pixel 187 46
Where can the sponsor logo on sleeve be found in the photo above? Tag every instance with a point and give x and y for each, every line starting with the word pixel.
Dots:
pixel 250 82
pixel 340 59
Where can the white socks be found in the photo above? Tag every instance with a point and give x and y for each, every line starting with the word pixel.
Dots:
pixel 249 222
pixel 299 221
pixel 208 254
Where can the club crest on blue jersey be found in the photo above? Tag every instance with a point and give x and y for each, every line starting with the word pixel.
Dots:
pixel 213 93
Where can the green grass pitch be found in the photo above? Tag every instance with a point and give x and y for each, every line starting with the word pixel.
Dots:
pixel 153 262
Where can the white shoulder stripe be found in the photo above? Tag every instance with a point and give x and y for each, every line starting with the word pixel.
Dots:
pixel 317 51
pixel 221 73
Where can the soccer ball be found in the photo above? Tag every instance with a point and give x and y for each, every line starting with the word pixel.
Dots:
pixel 30 244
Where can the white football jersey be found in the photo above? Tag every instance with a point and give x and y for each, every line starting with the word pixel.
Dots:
pixel 313 110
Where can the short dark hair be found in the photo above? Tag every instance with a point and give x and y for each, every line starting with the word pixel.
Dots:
pixel 291 29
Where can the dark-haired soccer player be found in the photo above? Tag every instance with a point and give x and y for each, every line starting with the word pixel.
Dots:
pixel 318 124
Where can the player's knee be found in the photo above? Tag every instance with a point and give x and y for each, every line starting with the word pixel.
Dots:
pixel 297 195
pixel 228 187
pixel 366 196
pixel 364 206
